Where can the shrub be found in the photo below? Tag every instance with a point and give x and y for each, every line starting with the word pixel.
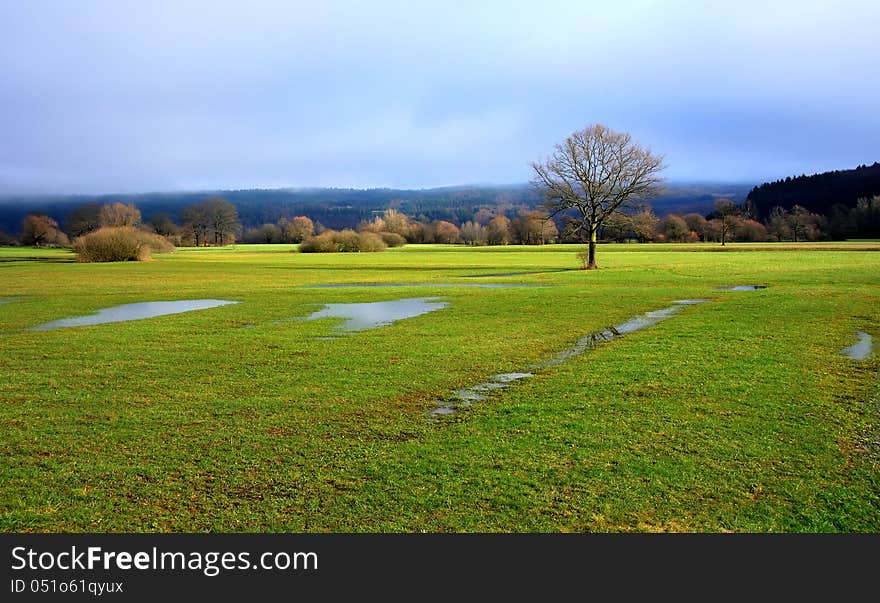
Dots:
pixel 345 241
pixel 392 239
pixel 156 242
pixel 368 241
pixel 119 244
pixel 322 243
pixel 331 241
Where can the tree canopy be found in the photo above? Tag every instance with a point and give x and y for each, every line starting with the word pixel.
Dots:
pixel 595 172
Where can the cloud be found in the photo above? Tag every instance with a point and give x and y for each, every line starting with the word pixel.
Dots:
pixel 124 96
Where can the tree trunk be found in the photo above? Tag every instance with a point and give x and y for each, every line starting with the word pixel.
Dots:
pixel 591 261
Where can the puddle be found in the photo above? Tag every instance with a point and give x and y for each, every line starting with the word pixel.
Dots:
pixel 742 288
pixel 444 411
pixel 476 285
pixel 511 377
pixel 861 349
pixel 466 397
pixel 369 315
pixel 477 393
pixel 137 311
pixel 8 300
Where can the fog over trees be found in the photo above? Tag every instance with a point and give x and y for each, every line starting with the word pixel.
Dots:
pixel 472 215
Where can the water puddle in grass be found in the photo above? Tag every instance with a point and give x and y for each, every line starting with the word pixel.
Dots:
pixel 369 315
pixel 466 397
pixel 861 349
pixel 742 288
pixel 476 285
pixel 8 300
pixel 137 311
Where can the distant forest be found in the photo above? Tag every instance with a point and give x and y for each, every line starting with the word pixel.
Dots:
pixel 848 200
pixel 830 206
pixel 346 208
pixel 818 193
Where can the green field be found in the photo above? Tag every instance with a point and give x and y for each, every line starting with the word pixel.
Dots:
pixel 739 414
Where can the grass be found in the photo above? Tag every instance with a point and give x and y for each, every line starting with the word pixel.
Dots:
pixel 736 415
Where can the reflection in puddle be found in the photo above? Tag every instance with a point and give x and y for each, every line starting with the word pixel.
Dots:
pixel 861 349
pixel 137 311
pixel 476 285
pixel 466 397
pixel 369 315
pixel 742 288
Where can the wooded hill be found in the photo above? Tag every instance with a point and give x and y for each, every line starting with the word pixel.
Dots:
pixel 818 193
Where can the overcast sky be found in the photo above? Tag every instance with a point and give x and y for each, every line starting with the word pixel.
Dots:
pixel 118 96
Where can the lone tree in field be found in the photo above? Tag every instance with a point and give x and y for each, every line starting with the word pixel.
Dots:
pixel 597 171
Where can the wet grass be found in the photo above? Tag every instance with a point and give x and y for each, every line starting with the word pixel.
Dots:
pixel 737 414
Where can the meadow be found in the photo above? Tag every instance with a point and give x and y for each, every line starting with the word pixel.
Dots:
pixel 738 414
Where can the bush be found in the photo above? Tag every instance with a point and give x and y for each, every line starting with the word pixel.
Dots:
pixel 322 243
pixel 332 241
pixel 119 244
pixel 156 242
pixel 368 241
pixel 392 239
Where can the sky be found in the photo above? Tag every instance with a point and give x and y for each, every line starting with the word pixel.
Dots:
pixel 118 96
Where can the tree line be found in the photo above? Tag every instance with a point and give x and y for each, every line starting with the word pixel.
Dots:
pixel 488 227
pixel 847 200
pixel 215 221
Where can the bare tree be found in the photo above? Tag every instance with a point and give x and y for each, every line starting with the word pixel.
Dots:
pixel 119 214
pixel 675 229
pixel 267 233
pixel 472 233
pixel 163 225
pixel 196 220
pixel 498 231
pixel 644 224
pixel 396 222
pixel 222 219
pixel 446 232
pixel 84 219
pixel 297 230
pixel 803 224
pixel 727 210
pixel 596 171
pixel 40 230
pixel 534 228
pixel 215 217
pixel 697 224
